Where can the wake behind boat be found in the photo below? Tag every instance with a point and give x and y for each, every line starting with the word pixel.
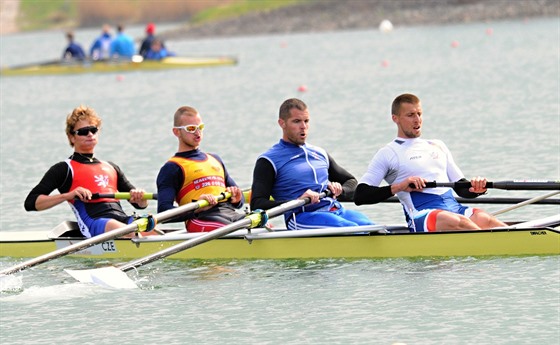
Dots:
pixel 61 67
pixel 539 237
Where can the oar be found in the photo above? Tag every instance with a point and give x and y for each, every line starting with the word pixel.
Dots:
pixel 508 185
pixel 122 195
pixel 116 277
pixel 33 64
pixel 524 203
pixel 139 224
pixel 490 200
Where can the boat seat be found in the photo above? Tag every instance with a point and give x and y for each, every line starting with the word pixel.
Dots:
pixel 66 229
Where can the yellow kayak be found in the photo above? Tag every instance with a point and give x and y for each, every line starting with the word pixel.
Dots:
pixel 118 65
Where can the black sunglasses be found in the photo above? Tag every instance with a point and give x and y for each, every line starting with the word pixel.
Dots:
pixel 85 131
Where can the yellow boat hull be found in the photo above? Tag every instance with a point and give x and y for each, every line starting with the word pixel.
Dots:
pixel 56 67
pixel 513 242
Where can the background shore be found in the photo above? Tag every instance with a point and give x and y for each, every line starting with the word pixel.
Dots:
pixel 330 15
pixel 306 16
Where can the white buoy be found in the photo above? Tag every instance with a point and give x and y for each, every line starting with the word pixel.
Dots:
pixel 385 26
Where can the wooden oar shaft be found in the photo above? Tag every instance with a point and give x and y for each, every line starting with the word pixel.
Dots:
pixel 134 226
pixel 507 185
pixel 246 222
pixel 122 195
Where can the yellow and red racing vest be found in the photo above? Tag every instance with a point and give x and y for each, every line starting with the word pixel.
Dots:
pixel 201 177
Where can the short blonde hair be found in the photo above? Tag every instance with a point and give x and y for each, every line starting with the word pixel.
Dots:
pixel 183 111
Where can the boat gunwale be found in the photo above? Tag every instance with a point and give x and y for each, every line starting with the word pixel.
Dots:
pixel 362 233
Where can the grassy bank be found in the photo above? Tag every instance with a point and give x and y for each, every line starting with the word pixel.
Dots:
pixel 51 14
pixel 238 8
pixel 37 14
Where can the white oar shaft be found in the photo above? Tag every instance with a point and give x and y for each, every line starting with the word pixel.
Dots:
pixel 246 222
pixel 160 217
pixel 524 203
pixel 71 249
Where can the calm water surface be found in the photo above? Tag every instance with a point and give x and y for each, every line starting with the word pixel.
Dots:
pixel 494 100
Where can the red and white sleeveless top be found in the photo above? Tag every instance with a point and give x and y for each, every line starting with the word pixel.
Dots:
pixel 98 178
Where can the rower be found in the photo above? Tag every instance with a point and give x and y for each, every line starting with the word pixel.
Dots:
pixel 408 163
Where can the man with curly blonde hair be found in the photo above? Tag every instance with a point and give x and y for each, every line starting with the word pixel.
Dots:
pixel 81 176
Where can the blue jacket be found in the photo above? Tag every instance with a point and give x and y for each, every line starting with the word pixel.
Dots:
pixel 153 55
pixel 122 46
pixel 100 47
pixel 74 51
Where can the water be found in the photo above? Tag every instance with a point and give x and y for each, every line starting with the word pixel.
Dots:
pixel 494 100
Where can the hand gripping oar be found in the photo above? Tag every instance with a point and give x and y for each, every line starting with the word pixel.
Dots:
pixel 116 277
pixel 508 185
pixel 138 225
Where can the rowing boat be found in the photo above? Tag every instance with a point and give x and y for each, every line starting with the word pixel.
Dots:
pixel 539 237
pixel 118 65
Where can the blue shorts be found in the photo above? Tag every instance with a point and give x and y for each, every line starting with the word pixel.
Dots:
pixel 318 219
pixel 432 204
pixel 89 226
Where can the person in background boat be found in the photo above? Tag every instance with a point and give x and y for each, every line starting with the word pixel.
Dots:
pixel 73 50
pixel 294 169
pixel 122 46
pixel 192 174
pixel 101 46
pixel 407 163
pixel 81 175
pixel 157 51
pixel 147 42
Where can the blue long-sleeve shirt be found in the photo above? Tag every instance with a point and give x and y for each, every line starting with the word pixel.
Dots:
pixel 74 51
pixel 122 46
pixel 100 47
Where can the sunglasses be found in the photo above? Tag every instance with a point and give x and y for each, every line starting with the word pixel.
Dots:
pixel 191 128
pixel 84 131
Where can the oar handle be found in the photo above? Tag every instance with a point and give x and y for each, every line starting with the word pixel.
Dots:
pixel 507 185
pixel 122 195
pixel 488 200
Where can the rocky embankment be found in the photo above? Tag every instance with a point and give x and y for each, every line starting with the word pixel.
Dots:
pixel 330 15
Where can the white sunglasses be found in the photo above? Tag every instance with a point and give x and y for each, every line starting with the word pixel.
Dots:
pixel 191 128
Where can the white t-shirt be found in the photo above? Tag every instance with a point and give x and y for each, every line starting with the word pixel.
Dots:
pixel 402 158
